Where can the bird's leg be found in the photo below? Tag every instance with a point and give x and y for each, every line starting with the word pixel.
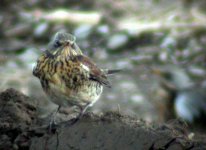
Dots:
pixel 52 122
pixel 82 111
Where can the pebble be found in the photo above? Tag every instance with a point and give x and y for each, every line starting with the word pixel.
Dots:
pixel 29 57
pixel 197 71
pixel 137 98
pixel 124 64
pixel 103 29
pixel 168 43
pixel 83 31
pixel 116 41
pixel 41 29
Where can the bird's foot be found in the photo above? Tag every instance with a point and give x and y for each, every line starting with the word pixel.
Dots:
pixel 52 127
pixel 166 146
pixel 72 121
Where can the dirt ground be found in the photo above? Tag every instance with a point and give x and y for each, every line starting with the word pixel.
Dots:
pixel 19 129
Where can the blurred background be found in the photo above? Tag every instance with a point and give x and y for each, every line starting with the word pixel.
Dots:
pixel 160 45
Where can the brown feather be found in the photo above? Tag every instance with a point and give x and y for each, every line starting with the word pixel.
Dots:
pixel 96 74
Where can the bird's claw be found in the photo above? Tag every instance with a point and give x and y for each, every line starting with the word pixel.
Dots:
pixel 52 127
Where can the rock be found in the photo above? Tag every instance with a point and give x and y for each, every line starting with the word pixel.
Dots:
pixel 117 41
pixel 197 71
pixel 103 29
pixel 41 29
pixel 168 43
pixel 70 16
pixel 83 31
pixel 19 30
pixel 29 57
pixel 12 45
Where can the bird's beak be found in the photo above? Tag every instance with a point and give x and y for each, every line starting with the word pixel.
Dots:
pixel 70 47
pixel 68 43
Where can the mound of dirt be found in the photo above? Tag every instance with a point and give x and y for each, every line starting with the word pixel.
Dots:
pixel 19 130
pixel 17 113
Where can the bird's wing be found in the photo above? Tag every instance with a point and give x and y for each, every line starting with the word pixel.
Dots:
pixel 95 73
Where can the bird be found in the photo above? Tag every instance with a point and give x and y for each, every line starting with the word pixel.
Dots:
pixel 186 99
pixel 69 77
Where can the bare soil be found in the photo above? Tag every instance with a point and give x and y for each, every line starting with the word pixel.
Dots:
pixel 19 129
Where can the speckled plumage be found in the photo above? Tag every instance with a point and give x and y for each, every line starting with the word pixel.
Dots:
pixel 67 76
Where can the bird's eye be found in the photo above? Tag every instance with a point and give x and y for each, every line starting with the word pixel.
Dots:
pixel 57 44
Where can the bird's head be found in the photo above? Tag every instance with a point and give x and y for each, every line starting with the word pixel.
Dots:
pixel 63 44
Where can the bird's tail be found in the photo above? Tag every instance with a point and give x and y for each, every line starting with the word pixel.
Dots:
pixel 110 72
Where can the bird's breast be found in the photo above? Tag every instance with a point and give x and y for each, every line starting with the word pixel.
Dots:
pixel 67 82
pixel 86 93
